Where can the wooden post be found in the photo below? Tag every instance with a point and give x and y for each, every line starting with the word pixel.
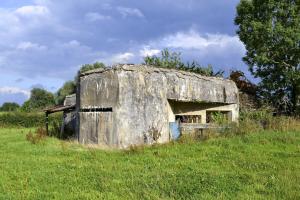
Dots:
pixel 47 122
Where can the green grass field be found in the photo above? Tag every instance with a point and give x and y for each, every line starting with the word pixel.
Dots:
pixel 257 166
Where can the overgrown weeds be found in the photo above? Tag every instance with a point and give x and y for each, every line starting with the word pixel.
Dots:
pixel 37 137
pixel 259 121
pixel 134 149
pixel 198 136
pixel 249 123
pixel 264 120
pixel 55 129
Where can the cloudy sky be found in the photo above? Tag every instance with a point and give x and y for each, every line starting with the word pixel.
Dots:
pixel 44 42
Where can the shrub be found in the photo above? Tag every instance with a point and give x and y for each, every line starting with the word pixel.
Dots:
pixel 39 99
pixel 55 129
pixel 20 119
pixel 249 122
pixel 9 107
pixel 219 118
pixel 172 60
pixel 253 122
pixel 40 135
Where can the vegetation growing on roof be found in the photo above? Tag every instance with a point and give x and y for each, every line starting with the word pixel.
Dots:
pixel 87 67
pixel 172 60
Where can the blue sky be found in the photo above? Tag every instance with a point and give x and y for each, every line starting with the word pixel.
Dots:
pixel 44 42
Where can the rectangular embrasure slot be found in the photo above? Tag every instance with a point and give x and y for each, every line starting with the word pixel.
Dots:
pixel 96 109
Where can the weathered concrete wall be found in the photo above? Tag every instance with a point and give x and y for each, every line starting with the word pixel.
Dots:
pixel 139 97
pixel 143 107
pixel 144 95
pixel 98 92
pixel 69 119
pixel 70 100
pixel 96 128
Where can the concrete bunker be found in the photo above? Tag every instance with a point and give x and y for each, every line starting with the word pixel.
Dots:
pixel 137 104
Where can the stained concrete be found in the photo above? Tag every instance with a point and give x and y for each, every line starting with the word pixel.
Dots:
pixel 70 100
pixel 69 118
pixel 141 99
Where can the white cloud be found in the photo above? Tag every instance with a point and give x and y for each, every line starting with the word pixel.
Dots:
pixel 93 16
pixel 125 12
pixel 33 10
pixel 73 43
pixel 147 51
pixel 123 57
pixel 14 90
pixel 30 45
pixel 19 24
pixel 194 40
pixel 193 45
pixel 118 58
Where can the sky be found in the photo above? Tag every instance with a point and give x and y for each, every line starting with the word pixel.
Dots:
pixel 44 42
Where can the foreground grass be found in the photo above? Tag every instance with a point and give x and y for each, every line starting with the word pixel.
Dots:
pixel 258 166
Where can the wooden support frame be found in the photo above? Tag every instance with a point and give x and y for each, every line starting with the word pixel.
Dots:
pixel 47 122
pixel 54 110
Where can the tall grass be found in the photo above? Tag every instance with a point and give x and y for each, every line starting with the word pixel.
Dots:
pixel 264 165
pixel 257 121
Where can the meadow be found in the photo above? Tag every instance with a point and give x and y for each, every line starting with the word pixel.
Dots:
pixel 261 165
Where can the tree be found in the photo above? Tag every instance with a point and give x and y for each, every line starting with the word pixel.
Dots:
pixel 167 60
pixel 9 106
pixel 173 60
pixel 39 99
pixel 270 30
pixel 26 106
pixel 68 88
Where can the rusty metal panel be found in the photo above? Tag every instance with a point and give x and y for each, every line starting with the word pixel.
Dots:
pixel 96 128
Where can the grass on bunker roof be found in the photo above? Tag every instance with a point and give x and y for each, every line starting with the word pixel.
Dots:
pixel 258 166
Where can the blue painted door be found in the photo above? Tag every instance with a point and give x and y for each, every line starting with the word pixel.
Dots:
pixel 174 130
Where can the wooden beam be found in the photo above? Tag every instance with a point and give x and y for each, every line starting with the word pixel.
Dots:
pixel 47 123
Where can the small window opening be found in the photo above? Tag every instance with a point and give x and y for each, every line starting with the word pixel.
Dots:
pixel 188 119
pixel 96 109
